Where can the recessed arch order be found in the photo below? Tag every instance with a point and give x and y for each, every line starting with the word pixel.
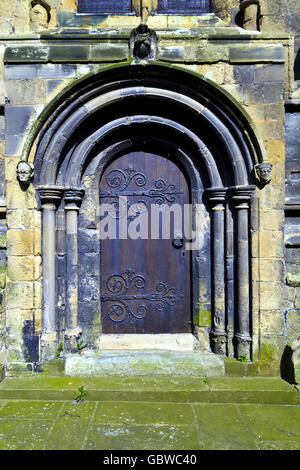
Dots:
pixel 210 132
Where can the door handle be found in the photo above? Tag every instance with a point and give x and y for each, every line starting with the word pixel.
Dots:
pixel 178 241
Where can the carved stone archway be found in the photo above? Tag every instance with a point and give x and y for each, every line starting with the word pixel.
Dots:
pixel 212 139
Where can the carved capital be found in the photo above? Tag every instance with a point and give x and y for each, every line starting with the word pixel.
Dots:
pixel 73 198
pixel 241 195
pixel 263 173
pixel 216 195
pixel 50 196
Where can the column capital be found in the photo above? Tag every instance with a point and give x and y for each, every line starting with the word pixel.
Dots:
pixel 241 191
pixel 240 195
pixel 73 198
pixel 50 195
pixel 216 195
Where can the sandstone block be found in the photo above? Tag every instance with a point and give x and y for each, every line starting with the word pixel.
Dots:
pixel 21 268
pixel 23 242
pixel 19 295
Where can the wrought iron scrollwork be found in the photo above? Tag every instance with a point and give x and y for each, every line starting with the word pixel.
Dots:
pixel 118 286
pixel 119 180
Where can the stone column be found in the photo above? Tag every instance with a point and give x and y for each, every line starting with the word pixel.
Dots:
pixel 50 197
pixel 216 198
pixel 242 336
pixel 73 198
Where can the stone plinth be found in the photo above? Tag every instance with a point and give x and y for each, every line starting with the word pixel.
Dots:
pixel 150 363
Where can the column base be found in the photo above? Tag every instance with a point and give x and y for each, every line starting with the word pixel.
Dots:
pixel 219 342
pixel 243 345
pixel 71 340
pixel 48 346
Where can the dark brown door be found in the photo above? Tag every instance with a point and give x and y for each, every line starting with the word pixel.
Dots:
pixel 145 271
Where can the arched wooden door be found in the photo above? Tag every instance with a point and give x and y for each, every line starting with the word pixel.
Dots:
pixel 145 271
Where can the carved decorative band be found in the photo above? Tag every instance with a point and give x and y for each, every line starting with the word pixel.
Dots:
pixel 73 198
pixel 50 195
pixel 216 195
pixel 241 195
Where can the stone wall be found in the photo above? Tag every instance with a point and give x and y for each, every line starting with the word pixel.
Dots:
pixel 255 69
pixel 3 264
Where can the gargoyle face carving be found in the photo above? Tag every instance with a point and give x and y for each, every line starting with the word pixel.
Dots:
pixel 24 172
pixel 263 172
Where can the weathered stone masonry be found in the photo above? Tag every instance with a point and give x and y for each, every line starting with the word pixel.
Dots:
pixel 244 55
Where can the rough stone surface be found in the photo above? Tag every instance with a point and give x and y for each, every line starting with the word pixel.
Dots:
pixel 53 425
pixel 133 363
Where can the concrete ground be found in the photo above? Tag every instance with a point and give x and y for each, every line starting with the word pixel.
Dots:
pixel 149 413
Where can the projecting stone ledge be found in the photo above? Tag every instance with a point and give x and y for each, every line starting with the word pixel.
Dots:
pixel 141 363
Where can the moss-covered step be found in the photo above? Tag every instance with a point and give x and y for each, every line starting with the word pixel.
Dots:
pixel 263 390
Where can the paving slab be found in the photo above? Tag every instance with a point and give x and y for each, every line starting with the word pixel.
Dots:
pixel 149 437
pixel 273 423
pixel 63 425
pixel 23 434
pixel 141 413
pixel 71 426
pixel 223 427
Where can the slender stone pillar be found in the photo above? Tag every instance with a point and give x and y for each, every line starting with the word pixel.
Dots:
pixel 242 336
pixel 216 198
pixel 73 198
pixel 50 197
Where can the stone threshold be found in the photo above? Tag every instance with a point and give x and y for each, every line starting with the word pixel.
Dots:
pixel 173 342
pixel 132 363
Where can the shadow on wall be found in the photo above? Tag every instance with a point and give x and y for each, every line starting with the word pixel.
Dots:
pixel 286 366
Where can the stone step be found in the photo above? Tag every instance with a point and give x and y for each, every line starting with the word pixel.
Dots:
pixel 133 363
pixel 263 390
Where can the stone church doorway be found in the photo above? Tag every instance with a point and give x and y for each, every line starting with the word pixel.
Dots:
pixel 140 137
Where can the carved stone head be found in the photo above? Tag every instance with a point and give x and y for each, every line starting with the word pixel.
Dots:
pixel 263 172
pixel 143 40
pixel 39 16
pixel 24 172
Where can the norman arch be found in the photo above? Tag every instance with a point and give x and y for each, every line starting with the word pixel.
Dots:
pixel 133 109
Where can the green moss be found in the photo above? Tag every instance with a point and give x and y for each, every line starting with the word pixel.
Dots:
pixel 26 54
pixel 3 270
pixel 268 353
pixel 202 318
pixel 268 360
pixel 2 241
pixel 53 368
